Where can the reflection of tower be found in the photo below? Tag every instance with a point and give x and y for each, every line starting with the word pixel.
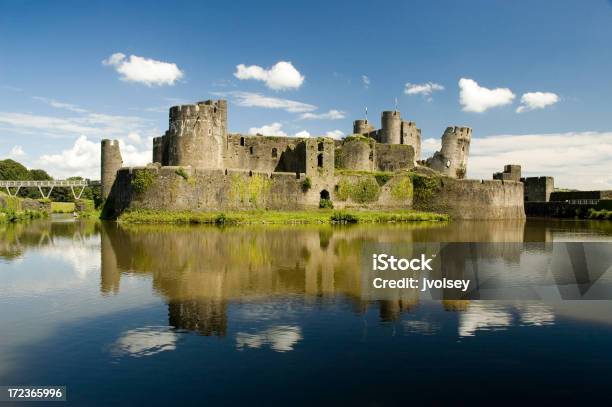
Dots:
pixel 390 310
pixel 205 316
pixel 109 272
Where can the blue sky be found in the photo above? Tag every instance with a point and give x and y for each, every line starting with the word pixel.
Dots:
pixel 58 98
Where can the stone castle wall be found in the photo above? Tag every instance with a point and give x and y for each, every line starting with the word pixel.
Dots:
pixel 178 189
pixel 474 199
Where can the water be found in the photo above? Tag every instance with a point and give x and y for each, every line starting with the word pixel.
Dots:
pixel 192 315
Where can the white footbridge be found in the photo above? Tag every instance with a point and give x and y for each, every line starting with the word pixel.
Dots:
pixel 77 186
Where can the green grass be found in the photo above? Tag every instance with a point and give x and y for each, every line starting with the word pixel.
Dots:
pixel 280 217
pixel 62 207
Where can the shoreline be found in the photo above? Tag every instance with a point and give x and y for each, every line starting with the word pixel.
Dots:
pixel 319 216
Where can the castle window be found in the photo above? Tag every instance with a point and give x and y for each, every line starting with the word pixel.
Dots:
pixel 321 146
pixel 274 152
pixel 242 141
pixel 320 161
pixel 209 132
pixel 251 150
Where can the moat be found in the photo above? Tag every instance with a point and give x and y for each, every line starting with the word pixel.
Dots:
pixel 161 313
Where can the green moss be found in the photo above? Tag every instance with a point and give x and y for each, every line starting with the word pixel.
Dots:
pixel 182 173
pixel 424 187
pixel 253 189
pixel 382 178
pixel 402 190
pixel 363 190
pixel 323 216
pixel 142 180
pixel 359 137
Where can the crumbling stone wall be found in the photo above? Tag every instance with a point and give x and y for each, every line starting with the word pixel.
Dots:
pixel 451 160
pixel 538 189
pixel 267 154
pixel 394 157
pixel 511 172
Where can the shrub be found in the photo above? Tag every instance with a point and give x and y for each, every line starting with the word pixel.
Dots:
pixel 326 204
pixel 343 217
pixel 142 180
pixel 306 184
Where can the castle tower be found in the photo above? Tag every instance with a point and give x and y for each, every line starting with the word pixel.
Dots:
pixel 197 134
pixel 451 160
pixel 362 127
pixel 411 135
pixel 111 162
pixel 391 130
pixel 160 149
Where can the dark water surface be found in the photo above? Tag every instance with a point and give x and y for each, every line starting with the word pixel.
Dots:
pixel 194 315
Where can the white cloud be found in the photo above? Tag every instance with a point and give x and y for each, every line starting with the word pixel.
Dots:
pixel 303 134
pixel 248 99
pixel 144 70
pixel 90 124
pixel 134 138
pixel 280 76
pixel 276 129
pixel 330 115
pixel 17 152
pixel 60 105
pixel 429 146
pixel 576 160
pixel 282 338
pixel 424 89
pixel 335 134
pixel 475 98
pixel 366 81
pixel 273 129
pixel 145 341
pixel 83 159
pixel 536 100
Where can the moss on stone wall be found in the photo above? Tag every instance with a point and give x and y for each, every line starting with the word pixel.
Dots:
pixel 253 189
pixel 402 190
pixel 424 187
pixel 362 190
pixel 142 180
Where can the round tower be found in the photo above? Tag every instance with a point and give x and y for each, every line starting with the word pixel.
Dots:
pixel 391 130
pixel 362 127
pixel 451 160
pixel 111 162
pixel 197 133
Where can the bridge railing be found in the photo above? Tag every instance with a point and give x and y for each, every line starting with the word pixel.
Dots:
pixel 70 183
pixel 49 183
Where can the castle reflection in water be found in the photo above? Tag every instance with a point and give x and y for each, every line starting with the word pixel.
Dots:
pixel 200 270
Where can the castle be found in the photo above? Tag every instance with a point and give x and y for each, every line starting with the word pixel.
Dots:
pixel 198 165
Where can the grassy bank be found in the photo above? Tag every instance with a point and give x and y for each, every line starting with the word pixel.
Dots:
pixel 602 214
pixel 280 217
pixel 12 210
pixel 62 207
